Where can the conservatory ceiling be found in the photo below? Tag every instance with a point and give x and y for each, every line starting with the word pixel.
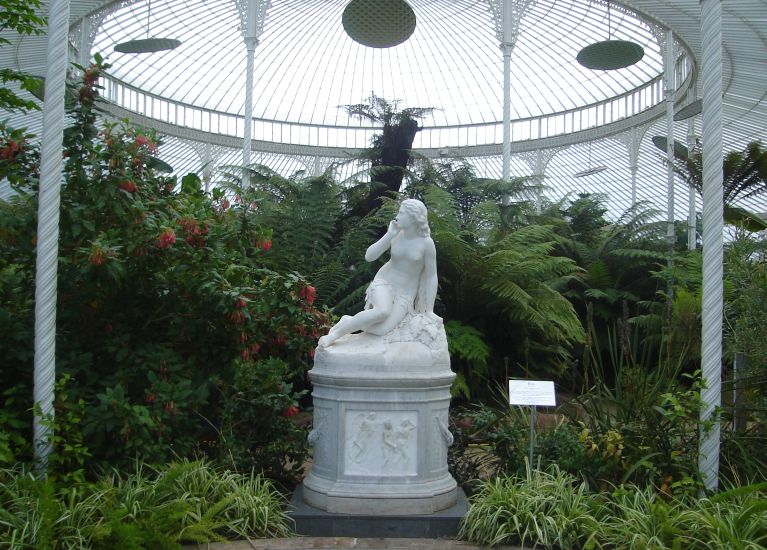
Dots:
pixel 565 118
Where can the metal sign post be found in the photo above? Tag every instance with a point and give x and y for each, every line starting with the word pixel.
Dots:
pixel 532 393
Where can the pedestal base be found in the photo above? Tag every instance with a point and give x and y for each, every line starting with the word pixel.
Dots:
pixel 311 521
pixel 384 498
pixel 380 428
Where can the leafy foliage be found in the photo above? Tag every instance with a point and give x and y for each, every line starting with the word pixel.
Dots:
pixel 744 177
pixel 164 296
pixel 22 17
pixel 552 509
pixel 390 150
pixel 183 502
pixel 642 428
pixel 497 277
pixel 547 508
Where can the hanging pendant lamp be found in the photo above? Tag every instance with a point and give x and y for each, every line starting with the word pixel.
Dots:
pixel 147 45
pixel 689 110
pixel 378 23
pixel 610 54
pixel 591 170
pixel 680 151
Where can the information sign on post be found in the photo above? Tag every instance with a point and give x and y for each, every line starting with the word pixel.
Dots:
pixel 536 393
pixel 532 393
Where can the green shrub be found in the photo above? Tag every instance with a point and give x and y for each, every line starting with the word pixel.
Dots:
pixel 163 299
pixel 548 508
pixel 736 518
pixel 562 446
pixel 640 519
pixel 183 502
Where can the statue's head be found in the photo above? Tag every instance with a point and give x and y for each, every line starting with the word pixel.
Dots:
pixel 417 210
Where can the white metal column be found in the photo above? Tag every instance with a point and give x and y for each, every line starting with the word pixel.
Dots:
pixel 692 219
pixel 669 64
pixel 252 16
pixel 713 272
pixel 48 227
pixel 507 45
pixel 251 41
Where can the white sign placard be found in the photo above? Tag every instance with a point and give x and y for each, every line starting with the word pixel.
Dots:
pixel 532 392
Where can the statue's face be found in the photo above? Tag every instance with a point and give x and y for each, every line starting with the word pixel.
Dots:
pixel 404 218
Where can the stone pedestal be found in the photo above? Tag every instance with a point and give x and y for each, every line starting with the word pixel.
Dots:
pixel 380 431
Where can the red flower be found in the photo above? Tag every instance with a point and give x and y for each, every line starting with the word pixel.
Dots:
pixel 311 294
pixel 264 244
pixel 150 398
pixel 127 185
pixel 10 150
pixel 255 347
pixel 166 238
pixel 241 303
pixel 290 411
pixel 145 141
pixel 96 257
pixel 91 75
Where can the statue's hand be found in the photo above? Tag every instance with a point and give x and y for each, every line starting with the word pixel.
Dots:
pixel 394 229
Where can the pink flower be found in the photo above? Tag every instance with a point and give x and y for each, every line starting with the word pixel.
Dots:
pixel 290 411
pixel 145 141
pixel 311 294
pixel 166 238
pixel 96 257
pixel 127 185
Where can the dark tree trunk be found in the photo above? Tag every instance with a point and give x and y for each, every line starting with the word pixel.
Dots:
pixel 389 168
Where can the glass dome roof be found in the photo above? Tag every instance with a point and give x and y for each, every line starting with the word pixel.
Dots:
pixel 306 66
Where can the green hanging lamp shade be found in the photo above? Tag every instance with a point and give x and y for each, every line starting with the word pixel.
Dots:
pixel 610 54
pixel 689 110
pixel 379 23
pixel 147 45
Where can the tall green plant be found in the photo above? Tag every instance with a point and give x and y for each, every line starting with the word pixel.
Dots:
pixel 547 508
pixel 744 177
pixel 643 425
pixel 164 294
pixel 502 280
pixel 22 17
pixel 390 153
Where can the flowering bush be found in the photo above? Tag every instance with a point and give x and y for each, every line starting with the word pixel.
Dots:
pixel 163 299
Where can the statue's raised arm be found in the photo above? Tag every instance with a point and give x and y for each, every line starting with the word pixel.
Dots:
pixel 406 284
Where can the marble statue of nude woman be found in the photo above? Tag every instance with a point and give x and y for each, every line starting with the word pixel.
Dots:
pixel 407 283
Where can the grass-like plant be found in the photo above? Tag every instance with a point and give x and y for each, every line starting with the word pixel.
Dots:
pixel 640 519
pixel 547 508
pixel 149 508
pixel 551 510
pixel 736 518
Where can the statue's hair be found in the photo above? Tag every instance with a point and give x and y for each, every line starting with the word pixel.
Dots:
pixel 418 210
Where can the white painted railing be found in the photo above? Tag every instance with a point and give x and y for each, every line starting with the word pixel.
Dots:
pixel 430 137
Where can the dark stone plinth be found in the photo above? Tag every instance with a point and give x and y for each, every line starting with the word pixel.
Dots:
pixel 313 522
